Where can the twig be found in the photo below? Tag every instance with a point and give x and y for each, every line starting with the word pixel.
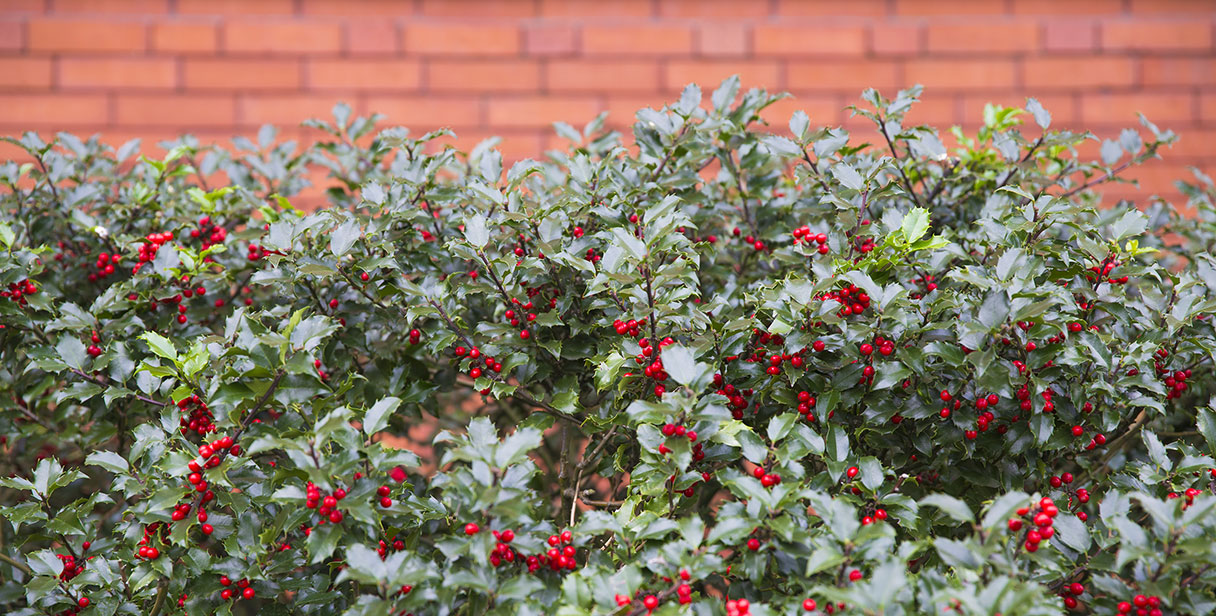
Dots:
pixel 882 127
pixel 16 563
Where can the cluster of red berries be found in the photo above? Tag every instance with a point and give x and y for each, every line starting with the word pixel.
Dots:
pixel 1189 496
pixel 93 350
pixel 852 299
pixel 244 590
pixel 1069 594
pixel 475 360
pixel 415 336
pixel 81 604
pixel 737 397
pixel 154 532
pixel 257 253
pixel 1149 605
pixel 670 430
pixel 383 493
pixel 884 347
pixel 181 510
pixel 631 327
pixel 879 515
pixel 985 417
pixel 1102 272
pixel 1042 515
pixel 756 243
pixel 209 232
pixel 766 478
pixel 930 285
pixel 803 234
pixel 503 552
pixel 197 417
pixel 1174 380
pixel 152 243
pixel 394 543
pixel 738 607
pixel 71 566
pixel 326 506
pixel 806 405
pixel 561 555
pixel 104 266
pixel 17 291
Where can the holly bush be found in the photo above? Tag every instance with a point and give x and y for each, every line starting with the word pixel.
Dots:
pixel 722 370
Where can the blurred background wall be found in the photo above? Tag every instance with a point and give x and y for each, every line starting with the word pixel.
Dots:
pixel 216 68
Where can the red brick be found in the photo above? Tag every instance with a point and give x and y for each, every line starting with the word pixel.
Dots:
pixel 960 74
pixel 896 39
pixel 1173 7
pixel 547 39
pixel 515 145
pixel 850 76
pixel 1063 107
pixel 364 74
pixel 723 39
pixel 602 76
pixel 1068 7
pixel 177 111
pixel 462 39
pixel 1157 71
pixel 622 110
pixel 1070 35
pixel 1193 142
pixel 53 110
pixel 709 73
pixel 479 8
pixel 425 113
pixel 1154 35
pixel 12 35
pixel 286 109
pixel 185 37
pixel 28 6
pixel 243 74
pixel 541 111
pixel 1073 72
pixel 982 36
pixel 118 73
pixel 637 40
pixel 595 8
pixel 779 40
pixel 1207 108
pixel 949 8
pixel 831 8
pixel 372 36
pixel 236 7
pixel 282 37
pixel 138 7
pixel 937 109
pixel 1121 109
pixel 483 76
pixel 358 8
pixel 713 8
pixel 25 73
pixel 823 109
pixel 86 35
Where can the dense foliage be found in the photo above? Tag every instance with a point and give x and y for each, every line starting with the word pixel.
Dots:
pixel 721 371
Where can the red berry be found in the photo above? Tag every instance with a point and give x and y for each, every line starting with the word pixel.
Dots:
pixel 471 529
pixel 83 602
pixel 247 593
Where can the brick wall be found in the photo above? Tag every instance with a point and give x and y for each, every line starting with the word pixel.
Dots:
pixel 154 68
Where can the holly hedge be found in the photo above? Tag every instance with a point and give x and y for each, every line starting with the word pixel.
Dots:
pixel 721 370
